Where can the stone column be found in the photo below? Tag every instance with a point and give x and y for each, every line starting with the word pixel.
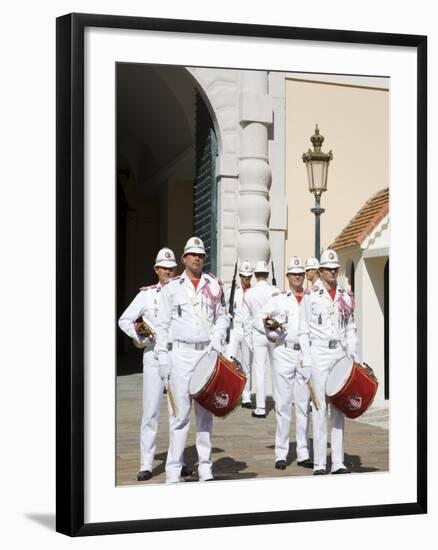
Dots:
pixel 255 116
pixel 221 92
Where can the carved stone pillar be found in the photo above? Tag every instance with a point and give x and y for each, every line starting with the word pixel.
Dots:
pixel 255 116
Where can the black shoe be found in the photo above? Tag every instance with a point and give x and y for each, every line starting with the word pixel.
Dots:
pixel 342 471
pixel 144 475
pixel 280 465
pixel 306 463
pixel 319 473
pixel 185 472
pixel 255 415
pixel 248 405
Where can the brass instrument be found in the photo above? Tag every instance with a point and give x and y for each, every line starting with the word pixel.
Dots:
pixel 145 331
pixel 272 324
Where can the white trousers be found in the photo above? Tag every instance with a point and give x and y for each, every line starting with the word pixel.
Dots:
pixel 323 359
pixel 152 394
pixel 288 386
pixel 261 356
pixel 182 363
pixel 239 349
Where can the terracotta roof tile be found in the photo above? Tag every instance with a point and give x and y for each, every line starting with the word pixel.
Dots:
pixel 363 223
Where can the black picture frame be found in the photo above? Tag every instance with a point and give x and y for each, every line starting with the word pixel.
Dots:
pixel 70 272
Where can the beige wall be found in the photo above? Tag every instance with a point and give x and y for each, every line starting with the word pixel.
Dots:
pixel 371 322
pixel 354 122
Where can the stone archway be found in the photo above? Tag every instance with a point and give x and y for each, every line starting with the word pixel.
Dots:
pixel 156 170
pixel 242 112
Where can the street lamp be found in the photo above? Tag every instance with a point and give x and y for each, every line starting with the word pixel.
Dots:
pixel 317 164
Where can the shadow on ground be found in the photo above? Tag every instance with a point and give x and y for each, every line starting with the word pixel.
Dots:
pixel 352 462
pixel 46 520
pixel 223 468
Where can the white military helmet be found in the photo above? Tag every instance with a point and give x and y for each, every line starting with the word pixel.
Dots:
pixel 194 246
pixel 245 269
pixel 261 267
pixel 329 259
pixel 295 265
pixel 311 263
pixel 165 258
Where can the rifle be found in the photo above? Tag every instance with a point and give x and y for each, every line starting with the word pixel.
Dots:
pixel 274 282
pixel 231 304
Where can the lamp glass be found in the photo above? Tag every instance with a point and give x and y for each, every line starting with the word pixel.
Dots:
pixel 317 174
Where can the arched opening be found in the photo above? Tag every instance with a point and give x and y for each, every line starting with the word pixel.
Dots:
pixel 351 277
pixel 166 176
pixel 386 328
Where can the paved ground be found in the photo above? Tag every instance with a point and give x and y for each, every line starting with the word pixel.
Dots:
pixel 243 447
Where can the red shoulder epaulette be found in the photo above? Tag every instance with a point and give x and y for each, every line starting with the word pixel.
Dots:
pixel 314 288
pixel 307 291
pixel 276 294
pixel 148 287
pixel 172 279
pixel 218 280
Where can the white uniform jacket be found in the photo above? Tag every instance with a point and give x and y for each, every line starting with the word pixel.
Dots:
pixel 255 298
pixel 146 305
pixel 239 314
pixel 318 283
pixel 323 319
pixel 192 316
pixel 284 308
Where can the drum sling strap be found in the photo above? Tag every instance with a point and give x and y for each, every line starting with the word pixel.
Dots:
pixel 331 311
pixel 199 312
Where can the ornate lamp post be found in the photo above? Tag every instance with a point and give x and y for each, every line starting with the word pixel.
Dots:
pixel 317 164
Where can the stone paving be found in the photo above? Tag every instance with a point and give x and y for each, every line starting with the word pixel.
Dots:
pixel 243 447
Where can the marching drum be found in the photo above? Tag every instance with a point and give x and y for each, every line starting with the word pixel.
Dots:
pixel 351 387
pixel 216 383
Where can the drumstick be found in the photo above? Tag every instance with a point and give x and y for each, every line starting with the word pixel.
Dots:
pixel 171 399
pixel 313 396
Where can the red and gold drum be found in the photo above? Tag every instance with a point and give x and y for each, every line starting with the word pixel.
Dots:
pixel 216 383
pixel 351 387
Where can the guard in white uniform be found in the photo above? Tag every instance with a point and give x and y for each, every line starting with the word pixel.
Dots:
pixel 239 346
pixel 255 298
pixel 289 378
pixel 145 307
pixel 327 332
pixel 191 319
pixel 312 273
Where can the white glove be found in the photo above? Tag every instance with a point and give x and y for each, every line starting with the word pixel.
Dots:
pixel 216 343
pixel 272 335
pixel 249 342
pixel 305 368
pixel 306 372
pixel 163 367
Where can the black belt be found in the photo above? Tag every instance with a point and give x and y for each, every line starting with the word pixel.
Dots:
pixel 295 346
pixel 331 344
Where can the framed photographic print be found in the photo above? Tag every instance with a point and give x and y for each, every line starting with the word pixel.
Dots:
pixel 198 162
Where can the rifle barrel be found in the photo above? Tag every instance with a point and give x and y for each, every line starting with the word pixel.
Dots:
pixel 231 303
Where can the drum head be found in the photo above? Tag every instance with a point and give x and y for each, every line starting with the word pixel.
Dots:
pixel 202 372
pixel 338 376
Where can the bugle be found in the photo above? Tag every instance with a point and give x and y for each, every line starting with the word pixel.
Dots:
pixel 145 331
